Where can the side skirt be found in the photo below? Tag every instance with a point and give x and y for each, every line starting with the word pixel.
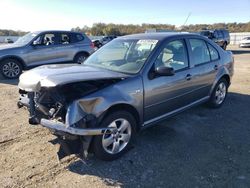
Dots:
pixel 172 113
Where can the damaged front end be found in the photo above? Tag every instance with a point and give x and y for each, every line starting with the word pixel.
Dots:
pixel 63 111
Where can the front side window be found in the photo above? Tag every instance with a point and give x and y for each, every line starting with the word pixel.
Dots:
pixel 48 39
pixel 173 55
pixel 124 55
pixel 65 39
pixel 199 51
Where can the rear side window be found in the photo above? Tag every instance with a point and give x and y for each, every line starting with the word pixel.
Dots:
pixel 79 37
pixel 213 52
pixel 225 33
pixel 200 52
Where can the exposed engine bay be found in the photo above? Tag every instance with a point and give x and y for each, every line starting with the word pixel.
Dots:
pixel 57 104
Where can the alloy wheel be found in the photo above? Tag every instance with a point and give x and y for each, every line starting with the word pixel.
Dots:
pixel 81 59
pixel 11 69
pixel 114 142
pixel 220 93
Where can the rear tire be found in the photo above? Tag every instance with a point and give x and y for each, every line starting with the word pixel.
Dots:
pixel 219 94
pixel 11 68
pixel 80 58
pixel 109 146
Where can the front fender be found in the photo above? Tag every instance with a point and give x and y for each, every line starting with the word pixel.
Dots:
pixel 129 91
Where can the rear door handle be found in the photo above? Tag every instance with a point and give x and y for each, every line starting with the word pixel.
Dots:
pixel 215 67
pixel 188 77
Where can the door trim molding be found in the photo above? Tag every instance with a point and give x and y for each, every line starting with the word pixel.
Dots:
pixel 164 116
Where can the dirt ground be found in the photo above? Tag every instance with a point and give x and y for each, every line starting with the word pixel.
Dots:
pixel 198 148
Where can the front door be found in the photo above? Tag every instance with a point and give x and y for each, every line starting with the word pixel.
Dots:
pixel 43 50
pixel 164 94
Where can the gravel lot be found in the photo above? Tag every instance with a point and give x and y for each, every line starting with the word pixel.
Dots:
pixel 198 148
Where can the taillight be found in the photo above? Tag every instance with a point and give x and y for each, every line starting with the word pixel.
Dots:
pixel 92 45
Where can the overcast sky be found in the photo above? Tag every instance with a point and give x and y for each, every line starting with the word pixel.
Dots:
pixel 31 15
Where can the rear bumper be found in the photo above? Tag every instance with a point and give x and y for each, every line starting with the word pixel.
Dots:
pixel 61 127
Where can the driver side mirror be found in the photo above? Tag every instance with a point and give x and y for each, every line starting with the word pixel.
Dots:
pixel 35 43
pixel 164 71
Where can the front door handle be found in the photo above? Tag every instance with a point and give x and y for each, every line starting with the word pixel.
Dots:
pixel 215 67
pixel 188 77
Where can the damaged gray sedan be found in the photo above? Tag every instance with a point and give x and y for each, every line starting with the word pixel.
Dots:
pixel 129 84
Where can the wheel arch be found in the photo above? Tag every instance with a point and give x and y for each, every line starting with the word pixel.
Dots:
pixel 81 52
pixel 124 107
pixel 19 59
pixel 224 76
pixel 227 78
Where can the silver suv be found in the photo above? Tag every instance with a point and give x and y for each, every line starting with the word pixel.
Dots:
pixel 44 47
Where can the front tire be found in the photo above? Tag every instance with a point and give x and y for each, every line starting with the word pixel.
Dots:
pixel 11 68
pixel 111 146
pixel 219 94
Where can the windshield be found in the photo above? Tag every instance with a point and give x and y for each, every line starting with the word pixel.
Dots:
pixel 122 55
pixel 26 39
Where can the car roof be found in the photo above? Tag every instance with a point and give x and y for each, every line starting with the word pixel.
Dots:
pixel 157 36
pixel 55 31
pixel 212 30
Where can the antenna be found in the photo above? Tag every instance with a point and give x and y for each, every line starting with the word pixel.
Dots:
pixel 189 14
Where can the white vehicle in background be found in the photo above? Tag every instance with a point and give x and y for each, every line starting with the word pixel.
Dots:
pixel 245 42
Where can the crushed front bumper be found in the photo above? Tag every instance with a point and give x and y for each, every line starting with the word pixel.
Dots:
pixel 61 127
pixel 73 140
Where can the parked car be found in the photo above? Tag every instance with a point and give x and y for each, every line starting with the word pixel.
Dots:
pixel 45 47
pixel 107 39
pixel 219 36
pixel 8 40
pixel 245 42
pixel 97 43
pixel 127 85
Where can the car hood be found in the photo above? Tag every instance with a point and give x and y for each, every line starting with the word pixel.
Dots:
pixel 53 75
pixel 8 46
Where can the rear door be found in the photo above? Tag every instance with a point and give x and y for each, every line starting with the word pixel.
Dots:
pixel 204 62
pixel 65 48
